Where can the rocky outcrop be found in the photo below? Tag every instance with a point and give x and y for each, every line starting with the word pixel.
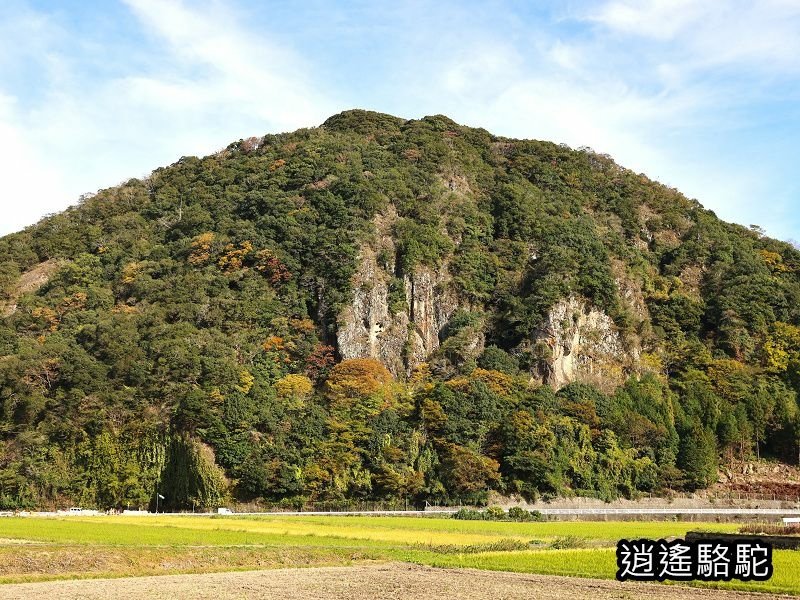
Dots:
pixel 29 282
pixel 366 328
pixel 400 321
pixel 578 342
pixel 401 334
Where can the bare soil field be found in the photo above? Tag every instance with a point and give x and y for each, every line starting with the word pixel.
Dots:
pixel 385 581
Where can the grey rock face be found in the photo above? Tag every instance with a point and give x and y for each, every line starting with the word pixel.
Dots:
pixel 580 342
pixel 584 345
pixel 403 339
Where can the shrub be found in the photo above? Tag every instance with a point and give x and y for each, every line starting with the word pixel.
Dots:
pixel 468 514
pixel 515 513
pixel 567 542
pixel 496 359
pixel 494 513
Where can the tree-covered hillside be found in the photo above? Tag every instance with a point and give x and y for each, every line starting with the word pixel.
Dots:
pixel 586 331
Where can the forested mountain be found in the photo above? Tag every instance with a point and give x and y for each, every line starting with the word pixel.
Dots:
pixel 392 310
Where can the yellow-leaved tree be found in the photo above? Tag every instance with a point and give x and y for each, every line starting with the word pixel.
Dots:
pixel 781 350
pixel 294 390
pixel 358 378
pixel 359 389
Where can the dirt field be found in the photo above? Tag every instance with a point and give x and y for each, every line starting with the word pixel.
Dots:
pixel 390 581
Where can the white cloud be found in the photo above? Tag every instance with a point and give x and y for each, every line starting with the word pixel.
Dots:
pixel 561 91
pixel 265 81
pixel 760 35
pixel 480 68
pixel 735 62
pixel 208 82
pixel 660 19
pixel 566 56
pixel 30 186
pixel 609 117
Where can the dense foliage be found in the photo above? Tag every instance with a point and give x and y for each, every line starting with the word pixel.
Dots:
pixel 184 341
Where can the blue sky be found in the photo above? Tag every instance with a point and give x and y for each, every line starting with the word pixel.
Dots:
pixel 700 95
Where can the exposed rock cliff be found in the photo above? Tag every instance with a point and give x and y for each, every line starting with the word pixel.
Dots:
pixel 577 342
pixel 582 344
pixel 29 282
pixel 400 334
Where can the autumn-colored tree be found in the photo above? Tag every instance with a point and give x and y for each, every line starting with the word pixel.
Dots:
pixel 432 415
pixel 278 349
pixel 319 362
pixel 498 382
pixel 357 378
pixel 294 389
pixel 774 261
pixel 131 271
pixel 467 471
pixel 201 248
pixel 274 343
pixel 584 412
pixel 233 257
pixel 412 154
pixel 781 351
pixel 46 318
pixel 271 267
pixel 249 145
pixel 76 301
pixel 731 379
pixel 246 381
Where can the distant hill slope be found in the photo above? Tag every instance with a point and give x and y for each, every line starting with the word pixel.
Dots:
pixel 391 310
